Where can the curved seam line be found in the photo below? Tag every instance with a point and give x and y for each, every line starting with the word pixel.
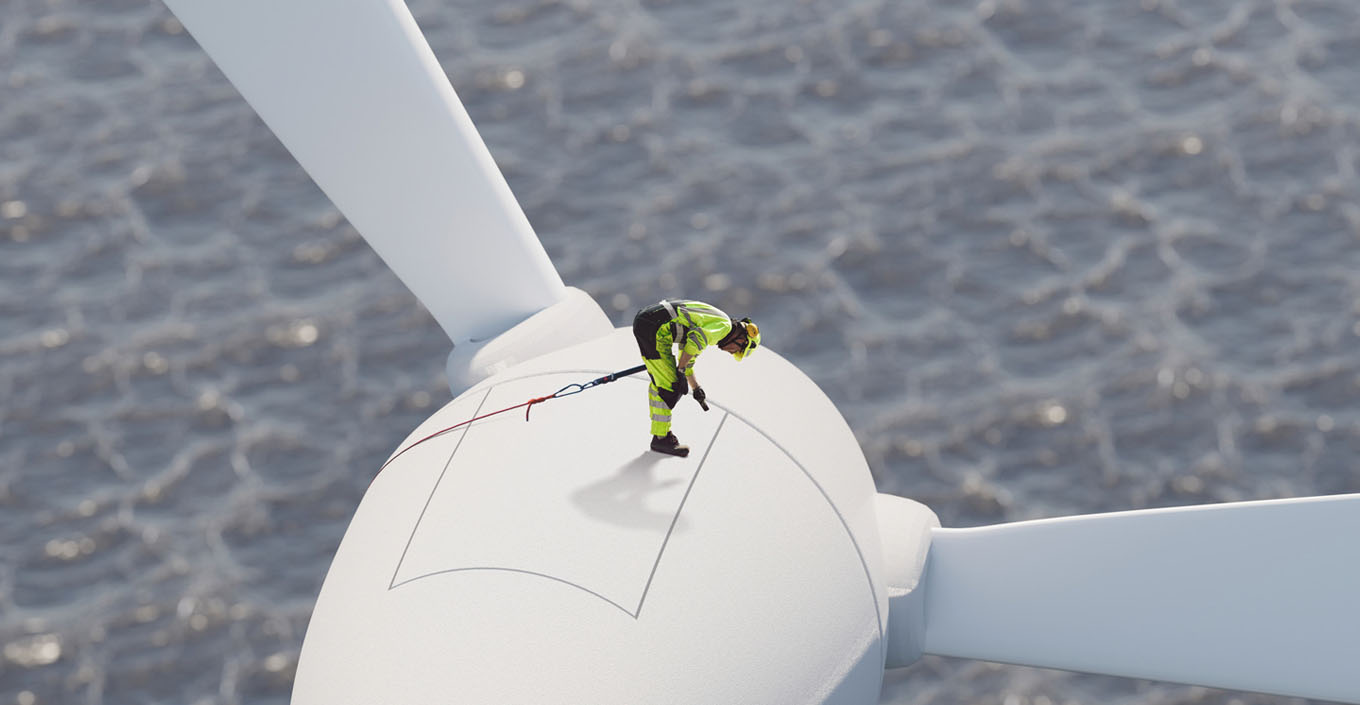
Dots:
pixel 859 552
pixel 531 375
pixel 447 464
pixel 675 519
pixel 845 525
pixel 524 572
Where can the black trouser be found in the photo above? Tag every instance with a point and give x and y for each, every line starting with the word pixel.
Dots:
pixel 646 324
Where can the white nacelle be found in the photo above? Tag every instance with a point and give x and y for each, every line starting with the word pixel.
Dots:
pixel 561 560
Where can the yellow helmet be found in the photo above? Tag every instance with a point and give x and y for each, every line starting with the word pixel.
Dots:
pixel 752 335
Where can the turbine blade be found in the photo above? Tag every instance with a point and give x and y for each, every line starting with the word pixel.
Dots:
pixel 354 92
pixel 1257 596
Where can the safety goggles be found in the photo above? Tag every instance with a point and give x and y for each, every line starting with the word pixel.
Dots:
pixel 752 341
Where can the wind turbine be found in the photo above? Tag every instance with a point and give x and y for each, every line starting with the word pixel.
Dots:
pixel 558 561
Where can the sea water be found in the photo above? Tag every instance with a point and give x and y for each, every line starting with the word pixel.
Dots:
pixel 1047 257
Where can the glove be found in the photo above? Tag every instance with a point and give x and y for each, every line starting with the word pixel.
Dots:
pixel 681 385
pixel 699 395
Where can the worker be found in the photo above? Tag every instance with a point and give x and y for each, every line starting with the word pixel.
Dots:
pixel 693 325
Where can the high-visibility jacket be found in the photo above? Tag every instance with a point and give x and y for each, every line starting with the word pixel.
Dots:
pixel 695 325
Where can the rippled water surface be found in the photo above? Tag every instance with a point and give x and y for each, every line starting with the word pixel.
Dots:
pixel 1047 257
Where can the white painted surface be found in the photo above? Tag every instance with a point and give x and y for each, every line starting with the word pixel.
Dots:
pixel 355 94
pixel 574 319
pixel 559 560
pixel 610 517
pixel 1258 596
pixel 904 528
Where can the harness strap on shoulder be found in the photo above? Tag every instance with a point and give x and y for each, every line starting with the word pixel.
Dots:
pixel 678 330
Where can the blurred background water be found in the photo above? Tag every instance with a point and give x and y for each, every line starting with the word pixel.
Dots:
pixel 1048 257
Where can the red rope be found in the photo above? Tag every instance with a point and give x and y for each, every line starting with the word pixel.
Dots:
pixel 528 405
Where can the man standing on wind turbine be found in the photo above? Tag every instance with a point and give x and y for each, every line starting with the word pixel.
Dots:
pixel 693 325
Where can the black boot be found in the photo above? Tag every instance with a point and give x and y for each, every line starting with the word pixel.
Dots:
pixel 669 445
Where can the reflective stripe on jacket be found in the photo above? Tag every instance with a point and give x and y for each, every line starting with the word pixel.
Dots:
pixel 700 326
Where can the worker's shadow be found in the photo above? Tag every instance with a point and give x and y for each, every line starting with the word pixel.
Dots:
pixel 622 499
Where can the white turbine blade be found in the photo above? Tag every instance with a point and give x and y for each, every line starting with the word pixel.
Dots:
pixel 356 95
pixel 1256 596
